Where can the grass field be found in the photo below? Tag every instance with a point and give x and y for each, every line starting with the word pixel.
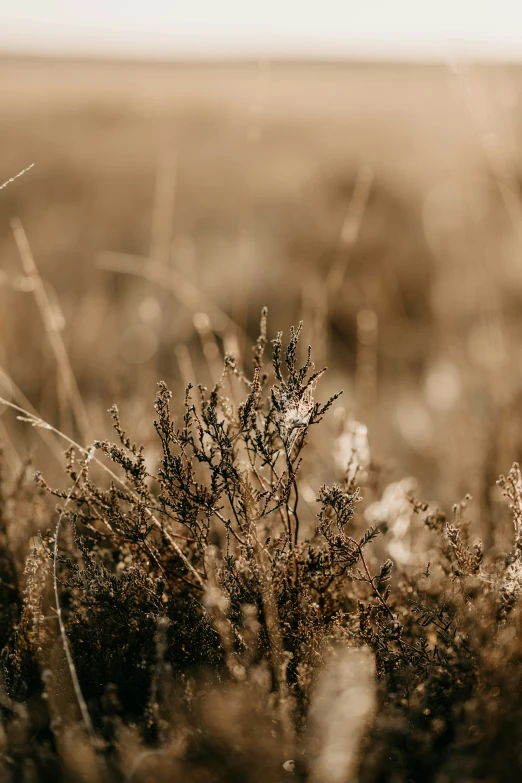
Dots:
pixel 168 203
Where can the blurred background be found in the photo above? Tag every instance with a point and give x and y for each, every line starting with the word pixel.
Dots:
pixel 358 168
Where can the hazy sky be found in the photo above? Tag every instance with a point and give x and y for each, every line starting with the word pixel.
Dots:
pixel 410 28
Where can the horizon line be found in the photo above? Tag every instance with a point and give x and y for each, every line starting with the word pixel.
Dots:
pixel 244 58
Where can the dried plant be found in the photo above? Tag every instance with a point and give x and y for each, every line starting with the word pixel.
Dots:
pixel 204 627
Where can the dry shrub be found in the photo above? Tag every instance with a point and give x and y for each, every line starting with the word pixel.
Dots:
pixel 212 630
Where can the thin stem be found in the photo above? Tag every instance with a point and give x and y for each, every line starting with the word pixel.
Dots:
pixel 370 579
pixel 55 339
pixel 296 531
pixel 12 179
pixel 65 641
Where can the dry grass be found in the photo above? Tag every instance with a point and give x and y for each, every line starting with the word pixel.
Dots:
pixel 168 203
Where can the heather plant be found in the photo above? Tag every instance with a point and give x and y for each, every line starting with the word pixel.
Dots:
pixel 190 622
